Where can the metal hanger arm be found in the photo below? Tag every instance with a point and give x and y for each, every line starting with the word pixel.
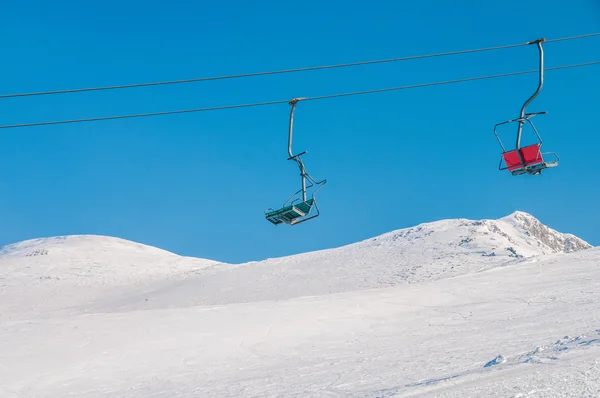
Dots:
pixel 537 91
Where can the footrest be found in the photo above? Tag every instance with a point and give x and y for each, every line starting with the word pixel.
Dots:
pixel 534 169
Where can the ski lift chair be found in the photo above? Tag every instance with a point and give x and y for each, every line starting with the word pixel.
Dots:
pixel 294 213
pixel 528 159
pixel 298 207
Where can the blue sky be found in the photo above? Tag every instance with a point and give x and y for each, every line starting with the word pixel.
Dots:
pixel 198 184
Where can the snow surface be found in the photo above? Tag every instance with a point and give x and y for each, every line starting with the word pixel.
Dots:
pixel 453 308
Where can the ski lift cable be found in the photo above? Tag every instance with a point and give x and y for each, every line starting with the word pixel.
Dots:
pixel 330 96
pixel 466 79
pixel 282 71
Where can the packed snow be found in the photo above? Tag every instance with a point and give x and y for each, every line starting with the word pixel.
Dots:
pixel 452 308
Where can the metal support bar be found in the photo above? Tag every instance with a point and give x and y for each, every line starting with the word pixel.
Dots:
pixel 539 88
pixel 293 105
pixel 296 158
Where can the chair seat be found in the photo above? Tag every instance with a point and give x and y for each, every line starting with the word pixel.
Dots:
pixel 533 161
pixel 531 156
pixel 291 213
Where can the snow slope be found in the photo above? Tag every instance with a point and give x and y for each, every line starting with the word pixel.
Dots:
pixel 423 311
pixel 428 251
pixel 110 274
pixel 66 270
pixel 96 259
pixel 412 340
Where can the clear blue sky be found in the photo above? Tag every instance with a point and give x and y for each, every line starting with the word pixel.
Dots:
pixel 198 184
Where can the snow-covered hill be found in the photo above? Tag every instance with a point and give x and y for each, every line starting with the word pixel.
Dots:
pixel 429 251
pixel 524 330
pixel 91 259
pixel 68 271
pixel 437 249
pixel 99 272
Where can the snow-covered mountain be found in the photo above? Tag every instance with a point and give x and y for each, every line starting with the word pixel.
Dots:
pixel 69 271
pixel 91 259
pixel 452 308
pixel 437 249
pixel 519 235
pixel 429 251
pixel 94 268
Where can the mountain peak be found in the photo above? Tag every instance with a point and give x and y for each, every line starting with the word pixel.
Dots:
pixel 518 214
pixel 530 226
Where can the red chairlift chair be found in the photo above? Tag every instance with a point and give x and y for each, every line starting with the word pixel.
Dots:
pixel 529 159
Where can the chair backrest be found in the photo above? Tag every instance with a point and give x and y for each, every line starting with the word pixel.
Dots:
pixel 531 155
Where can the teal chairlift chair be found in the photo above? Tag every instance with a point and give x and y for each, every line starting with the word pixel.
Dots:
pixel 297 209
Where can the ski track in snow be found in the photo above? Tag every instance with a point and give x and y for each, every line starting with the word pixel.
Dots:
pixel 577 354
pixel 336 323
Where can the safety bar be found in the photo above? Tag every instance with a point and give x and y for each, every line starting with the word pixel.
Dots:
pixel 528 115
pixel 295 222
pixel 312 183
pixel 521 120
pixel 295 156
pixel 551 153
